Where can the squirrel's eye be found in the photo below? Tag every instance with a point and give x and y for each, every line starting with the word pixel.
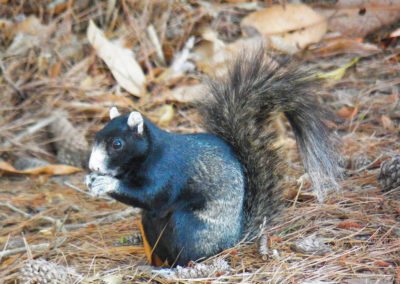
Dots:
pixel 117 144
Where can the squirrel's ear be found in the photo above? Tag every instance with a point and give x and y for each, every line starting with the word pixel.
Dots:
pixel 114 112
pixel 135 119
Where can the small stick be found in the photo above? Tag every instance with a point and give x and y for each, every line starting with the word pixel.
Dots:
pixel 27 215
pixel 38 247
pixel 13 208
pixel 5 246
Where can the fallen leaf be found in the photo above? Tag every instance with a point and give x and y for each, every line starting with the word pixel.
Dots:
pixel 233 252
pixel 47 170
pixel 382 263
pixel 55 70
pixel 186 94
pixel 212 57
pixel 57 7
pixel 288 28
pixel 120 60
pixel 347 112
pixel 338 73
pixel 345 46
pixel 357 18
pixel 349 225
pixel 275 239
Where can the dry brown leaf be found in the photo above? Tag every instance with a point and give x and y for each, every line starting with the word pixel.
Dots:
pixel 186 94
pixel 347 112
pixel 349 225
pixel 382 263
pixel 45 170
pixel 55 70
pixel 345 46
pixel 275 239
pixel 57 7
pixel 289 28
pixel 120 60
pixel 212 57
pixel 357 18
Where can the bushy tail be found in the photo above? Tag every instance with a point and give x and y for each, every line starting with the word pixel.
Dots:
pixel 241 108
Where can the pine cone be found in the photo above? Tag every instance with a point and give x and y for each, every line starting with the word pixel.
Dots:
pixel 41 271
pixel 201 270
pixel 389 176
pixel 71 145
pixel 360 161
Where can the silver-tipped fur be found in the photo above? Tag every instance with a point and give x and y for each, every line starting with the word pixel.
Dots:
pixel 241 109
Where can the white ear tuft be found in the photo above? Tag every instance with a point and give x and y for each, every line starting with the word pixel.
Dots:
pixel 114 112
pixel 136 119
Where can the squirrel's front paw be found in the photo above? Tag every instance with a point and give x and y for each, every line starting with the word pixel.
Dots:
pixel 100 184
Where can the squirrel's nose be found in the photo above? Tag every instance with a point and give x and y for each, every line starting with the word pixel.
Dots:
pixel 97 159
pixel 93 166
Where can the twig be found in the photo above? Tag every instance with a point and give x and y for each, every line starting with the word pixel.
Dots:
pixel 29 248
pixel 5 246
pixel 27 215
pixel 38 247
pixel 13 208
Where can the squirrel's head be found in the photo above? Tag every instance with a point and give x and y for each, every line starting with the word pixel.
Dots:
pixel 120 145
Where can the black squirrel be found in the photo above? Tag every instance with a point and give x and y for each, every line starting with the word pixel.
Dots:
pixel 203 193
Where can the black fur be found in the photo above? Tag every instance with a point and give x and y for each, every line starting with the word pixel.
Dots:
pixel 190 188
pixel 202 193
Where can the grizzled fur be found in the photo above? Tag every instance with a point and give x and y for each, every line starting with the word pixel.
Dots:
pixel 240 108
pixel 202 193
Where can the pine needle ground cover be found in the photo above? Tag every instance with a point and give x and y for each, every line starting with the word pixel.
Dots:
pixel 56 91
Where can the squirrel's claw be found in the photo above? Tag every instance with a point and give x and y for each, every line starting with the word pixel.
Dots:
pixel 99 185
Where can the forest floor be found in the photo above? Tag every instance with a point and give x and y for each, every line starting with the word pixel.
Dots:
pixel 56 92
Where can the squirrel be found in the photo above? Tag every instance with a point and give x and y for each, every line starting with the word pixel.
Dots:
pixel 203 193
